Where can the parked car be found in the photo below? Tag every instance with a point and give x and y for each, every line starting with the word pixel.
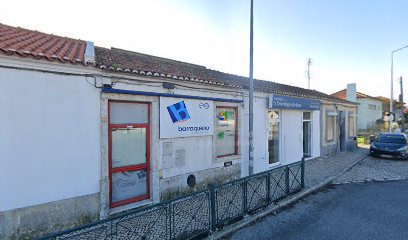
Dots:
pixel 390 145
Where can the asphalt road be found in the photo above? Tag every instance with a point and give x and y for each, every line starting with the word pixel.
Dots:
pixel 374 210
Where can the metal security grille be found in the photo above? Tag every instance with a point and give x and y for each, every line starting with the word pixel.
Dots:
pixel 198 214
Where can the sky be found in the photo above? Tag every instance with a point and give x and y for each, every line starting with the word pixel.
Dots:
pixel 349 41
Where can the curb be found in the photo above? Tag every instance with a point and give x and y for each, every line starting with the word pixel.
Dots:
pixel 272 209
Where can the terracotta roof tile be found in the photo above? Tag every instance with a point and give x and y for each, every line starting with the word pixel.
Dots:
pixel 343 95
pixel 384 99
pixel 38 45
pixel 340 94
pixel 137 63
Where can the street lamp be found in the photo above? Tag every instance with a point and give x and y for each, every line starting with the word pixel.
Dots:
pixel 392 84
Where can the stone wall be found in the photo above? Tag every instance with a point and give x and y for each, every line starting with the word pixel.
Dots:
pixel 329 150
pixel 39 220
pixel 177 186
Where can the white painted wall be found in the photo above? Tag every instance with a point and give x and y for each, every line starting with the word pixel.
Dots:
pixel 316 134
pixel 260 135
pixel 292 136
pixel 49 142
pixel 367 116
pixel 198 155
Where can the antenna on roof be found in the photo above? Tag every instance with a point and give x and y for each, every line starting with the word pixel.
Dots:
pixel 308 73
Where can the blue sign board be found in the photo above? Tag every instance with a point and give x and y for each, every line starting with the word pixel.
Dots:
pixel 285 102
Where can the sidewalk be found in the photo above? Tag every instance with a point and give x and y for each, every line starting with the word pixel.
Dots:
pixel 375 170
pixel 318 173
pixel 320 169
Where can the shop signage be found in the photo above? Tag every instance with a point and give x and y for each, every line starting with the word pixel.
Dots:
pixel 285 102
pixel 185 117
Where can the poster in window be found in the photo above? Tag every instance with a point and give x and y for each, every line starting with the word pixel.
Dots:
pixel 129 184
pixel 225 131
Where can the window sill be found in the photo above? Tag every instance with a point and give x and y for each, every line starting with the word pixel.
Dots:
pixel 274 165
pixel 309 158
pixel 129 206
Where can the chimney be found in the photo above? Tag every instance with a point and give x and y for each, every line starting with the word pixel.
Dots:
pixel 351 92
pixel 89 53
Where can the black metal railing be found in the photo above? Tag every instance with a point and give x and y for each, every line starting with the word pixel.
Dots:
pixel 197 214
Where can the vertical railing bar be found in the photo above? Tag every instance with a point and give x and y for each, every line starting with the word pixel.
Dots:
pixel 244 189
pixel 115 229
pixel 287 180
pixel 295 178
pixel 167 222
pixel 213 208
pixel 170 221
pixel 268 189
pixel 302 173
pixel 111 229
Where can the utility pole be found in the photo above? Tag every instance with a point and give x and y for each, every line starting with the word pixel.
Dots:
pixel 309 62
pixel 392 89
pixel 251 92
pixel 401 100
pixel 392 79
pixel 401 96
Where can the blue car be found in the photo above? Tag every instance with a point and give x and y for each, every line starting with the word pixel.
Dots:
pixel 390 145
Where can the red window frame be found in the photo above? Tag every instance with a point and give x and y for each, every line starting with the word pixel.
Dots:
pixel 133 167
pixel 236 131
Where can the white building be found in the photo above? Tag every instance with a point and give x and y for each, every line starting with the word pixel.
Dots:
pixel 90 132
pixel 369 109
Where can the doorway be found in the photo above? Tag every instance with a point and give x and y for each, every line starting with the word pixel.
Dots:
pixel 129 152
pixel 273 136
pixel 342 129
pixel 307 134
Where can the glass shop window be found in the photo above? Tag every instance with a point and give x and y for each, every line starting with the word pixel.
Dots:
pixel 352 125
pixel 226 131
pixel 128 152
pixel 273 136
pixel 330 128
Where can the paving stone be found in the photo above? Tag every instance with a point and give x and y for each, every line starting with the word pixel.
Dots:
pixel 319 169
pixel 375 169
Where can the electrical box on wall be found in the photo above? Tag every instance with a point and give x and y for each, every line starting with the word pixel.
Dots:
pixel 180 158
pixel 167 149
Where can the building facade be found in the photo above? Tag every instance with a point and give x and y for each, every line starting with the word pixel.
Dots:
pixel 370 109
pixel 339 127
pixel 92 132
